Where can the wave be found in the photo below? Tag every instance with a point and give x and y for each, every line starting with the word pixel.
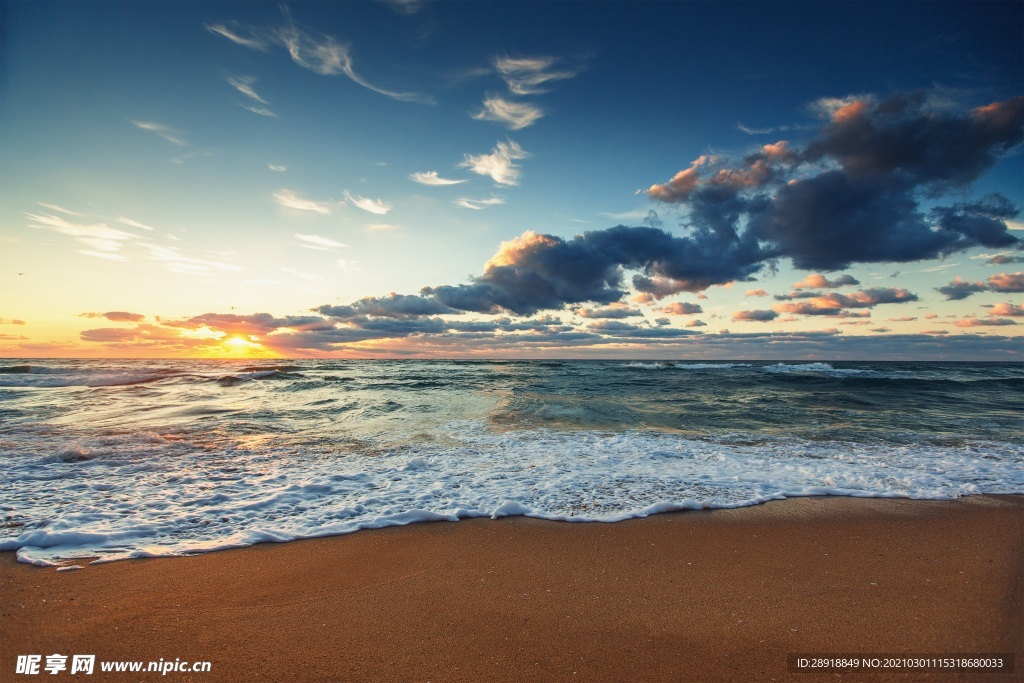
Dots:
pixel 44 377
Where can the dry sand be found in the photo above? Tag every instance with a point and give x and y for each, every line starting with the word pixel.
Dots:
pixel 693 596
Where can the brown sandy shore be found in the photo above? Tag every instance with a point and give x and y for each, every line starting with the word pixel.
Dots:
pixel 692 596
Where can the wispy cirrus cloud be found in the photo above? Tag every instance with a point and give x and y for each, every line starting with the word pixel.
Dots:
pixel 376 206
pixel 59 209
pixel 514 115
pixel 318 242
pixel 499 165
pixel 312 50
pixel 178 262
pixel 479 204
pixel 134 224
pixel 245 86
pixel 527 75
pixel 292 200
pixel 102 240
pixel 166 132
pixel 236 35
pixel 277 167
pixel 432 178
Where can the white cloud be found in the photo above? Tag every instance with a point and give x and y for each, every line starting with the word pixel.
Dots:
pixel 262 111
pixel 315 51
pixel 515 115
pixel 366 204
pixel 381 227
pixel 244 86
pixel 135 224
pixel 498 164
pixel 431 178
pixel 163 131
pixel 478 204
pixel 98 237
pixel 318 242
pixel 54 207
pixel 291 200
pixel 525 76
pixel 278 168
pixel 252 41
pixel 177 262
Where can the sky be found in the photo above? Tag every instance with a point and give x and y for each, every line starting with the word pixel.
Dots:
pixel 377 179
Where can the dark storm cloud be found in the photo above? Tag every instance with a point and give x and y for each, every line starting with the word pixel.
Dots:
pixel 536 272
pixel 390 306
pixel 903 138
pixel 869 167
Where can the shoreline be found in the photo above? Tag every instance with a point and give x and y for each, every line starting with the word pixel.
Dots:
pixel 724 594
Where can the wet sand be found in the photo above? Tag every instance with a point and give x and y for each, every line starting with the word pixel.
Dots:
pixel 694 596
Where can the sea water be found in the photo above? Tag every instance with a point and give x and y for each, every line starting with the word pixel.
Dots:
pixel 118 459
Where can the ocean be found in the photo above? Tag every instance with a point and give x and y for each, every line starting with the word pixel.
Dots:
pixel 113 459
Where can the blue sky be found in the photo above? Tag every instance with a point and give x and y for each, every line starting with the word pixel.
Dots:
pixel 251 178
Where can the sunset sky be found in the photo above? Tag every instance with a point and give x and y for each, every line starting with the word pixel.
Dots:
pixel 524 179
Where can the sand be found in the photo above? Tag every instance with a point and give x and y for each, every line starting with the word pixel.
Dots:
pixel 694 596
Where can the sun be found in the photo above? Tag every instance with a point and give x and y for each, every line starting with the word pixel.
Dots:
pixel 237 345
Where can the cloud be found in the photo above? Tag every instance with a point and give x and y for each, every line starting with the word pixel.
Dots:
pixel 534 272
pixel 1012 310
pixel 1006 282
pixel 134 224
pixel 406 7
pixel 101 240
pixel 381 227
pixel 755 292
pixel 251 42
pixel 166 132
pixel 402 306
pixel 116 316
pixel 244 86
pixel 681 308
pixel 1003 259
pixel 366 204
pixel 290 199
pixel 983 322
pixel 318 242
pixel 835 304
pixel 514 115
pixel 478 204
pixel 696 323
pixel 59 209
pixel 317 52
pixel 525 76
pixel 755 316
pixel 818 281
pixel 1001 282
pixel 863 177
pixel 499 164
pixel 10 321
pixel 177 262
pixel 277 167
pixel 262 111
pixel 431 178
pixel 613 311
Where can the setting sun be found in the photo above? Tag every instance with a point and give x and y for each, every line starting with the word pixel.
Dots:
pixel 237 345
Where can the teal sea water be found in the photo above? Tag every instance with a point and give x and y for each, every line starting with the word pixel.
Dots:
pixel 116 459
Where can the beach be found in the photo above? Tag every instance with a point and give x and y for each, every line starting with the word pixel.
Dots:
pixel 682 596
